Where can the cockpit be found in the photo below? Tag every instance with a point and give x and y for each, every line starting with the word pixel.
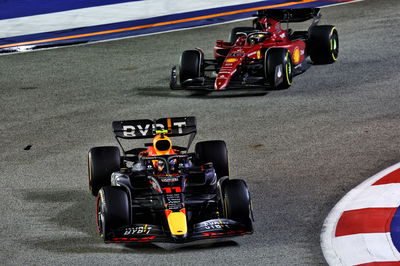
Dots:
pixel 258 37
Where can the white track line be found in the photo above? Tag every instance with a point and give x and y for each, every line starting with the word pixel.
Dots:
pixel 28 48
pixel 107 14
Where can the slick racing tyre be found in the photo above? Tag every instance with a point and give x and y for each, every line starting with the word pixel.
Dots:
pixel 213 151
pixel 112 208
pixel 102 162
pixel 190 66
pixel 323 44
pixel 278 68
pixel 236 200
pixel 233 37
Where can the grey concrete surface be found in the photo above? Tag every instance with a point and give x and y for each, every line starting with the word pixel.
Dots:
pixel 300 150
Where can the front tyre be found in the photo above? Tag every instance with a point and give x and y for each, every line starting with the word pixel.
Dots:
pixel 102 162
pixel 278 68
pixel 112 208
pixel 323 44
pixel 236 201
pixel 190 66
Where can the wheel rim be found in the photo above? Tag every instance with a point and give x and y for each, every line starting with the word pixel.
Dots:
pixel 100 215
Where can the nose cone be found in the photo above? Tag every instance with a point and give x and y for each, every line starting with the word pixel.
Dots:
pixel 221 82
pixel 177 223
pixel 226 72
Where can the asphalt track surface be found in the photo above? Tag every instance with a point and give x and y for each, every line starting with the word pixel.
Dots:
pixel 300 149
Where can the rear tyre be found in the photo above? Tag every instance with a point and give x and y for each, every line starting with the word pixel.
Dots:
pixel 232 36
pixel 112 208
pixel 236 200
pixel 278 68
pixel 190 66
pixel 323 44
pixel 213 151
pixel 102 162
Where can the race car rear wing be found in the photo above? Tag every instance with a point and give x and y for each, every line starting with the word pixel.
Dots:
pixel 146 128
pixel 291 14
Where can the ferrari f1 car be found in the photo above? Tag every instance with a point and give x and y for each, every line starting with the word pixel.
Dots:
pixel 263 56
pixel 162 192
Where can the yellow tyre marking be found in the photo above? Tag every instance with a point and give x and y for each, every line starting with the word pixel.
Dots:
pixel 333 56
pixel 288 66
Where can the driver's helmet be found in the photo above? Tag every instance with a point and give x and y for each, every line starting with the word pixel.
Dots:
pixel 162 145
pixel 257 38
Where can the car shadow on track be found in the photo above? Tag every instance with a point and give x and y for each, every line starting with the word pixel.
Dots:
pixel 165 92
pixel 66 223
pixel 187 247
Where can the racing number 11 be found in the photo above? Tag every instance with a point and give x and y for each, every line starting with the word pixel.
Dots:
pixel 169 189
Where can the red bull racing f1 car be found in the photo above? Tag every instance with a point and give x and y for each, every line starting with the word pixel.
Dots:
pixel 262 56
pixel 162 192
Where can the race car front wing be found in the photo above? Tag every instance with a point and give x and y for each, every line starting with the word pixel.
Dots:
pixel 245 81
pixel 214 228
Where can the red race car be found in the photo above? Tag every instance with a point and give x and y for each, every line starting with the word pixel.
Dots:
pixel 264 56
